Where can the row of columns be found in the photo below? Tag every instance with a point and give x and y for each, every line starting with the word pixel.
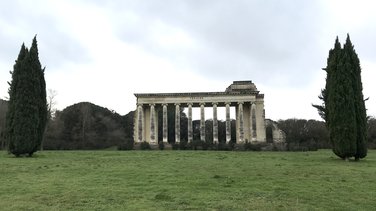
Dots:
pixel 153 135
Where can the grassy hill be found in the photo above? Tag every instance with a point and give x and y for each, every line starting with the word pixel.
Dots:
pixel 171 180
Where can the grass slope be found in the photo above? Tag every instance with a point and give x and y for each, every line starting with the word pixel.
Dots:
pixel 170 180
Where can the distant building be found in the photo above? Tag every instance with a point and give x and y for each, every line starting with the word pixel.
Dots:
pixel 243 95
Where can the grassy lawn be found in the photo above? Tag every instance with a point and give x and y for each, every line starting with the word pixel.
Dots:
pixel 193 180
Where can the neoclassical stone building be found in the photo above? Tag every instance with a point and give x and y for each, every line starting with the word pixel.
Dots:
pixel 243 95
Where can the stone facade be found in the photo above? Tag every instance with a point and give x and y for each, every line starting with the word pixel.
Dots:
pixel 277 135
pixel 243 95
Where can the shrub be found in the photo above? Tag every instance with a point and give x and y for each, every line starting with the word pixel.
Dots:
pixel 248 146
pixel 214 146
pixel 161 145
pixel 222 146
pixel 175 146
pixel 205 145
pixel 231 145
pixel 196 144
pixel 189 146
pixel 183 145
pixel 257 146
pixel 128 145
pixel 279 147
pixel 312 145
pixel 145 146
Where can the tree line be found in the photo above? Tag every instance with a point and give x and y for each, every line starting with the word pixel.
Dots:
pixel 88 126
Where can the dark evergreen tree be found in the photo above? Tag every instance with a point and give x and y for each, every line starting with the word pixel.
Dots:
pixel 332 62
pixel 25 121
pixel 13 86
pixel 353 65
pixel 40 89
pixel 341 109
pixel 343 106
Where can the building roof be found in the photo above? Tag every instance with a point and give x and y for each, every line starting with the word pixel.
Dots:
pixel 236 88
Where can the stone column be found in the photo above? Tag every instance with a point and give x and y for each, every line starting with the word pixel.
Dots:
pixel 250 121
pixel 260 121
pixel 228 123
pixel 152 123
pixel 177 123
pixel 165 125
pixel 190 127
pixel 241 122
pixel 140 123
pixel 202 122
pixel 215 123
pixel 253 120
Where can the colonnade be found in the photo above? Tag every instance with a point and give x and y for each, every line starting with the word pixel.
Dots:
pixel 249 121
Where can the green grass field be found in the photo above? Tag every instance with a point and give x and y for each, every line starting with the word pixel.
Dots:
pixel 192 180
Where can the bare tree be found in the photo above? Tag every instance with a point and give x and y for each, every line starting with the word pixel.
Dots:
pixel 51 111
pixel 51 103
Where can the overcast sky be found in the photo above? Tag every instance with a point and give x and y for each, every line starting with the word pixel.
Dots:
pixel 104 51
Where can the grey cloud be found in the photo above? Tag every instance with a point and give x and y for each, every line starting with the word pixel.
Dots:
pixel 62 48
pixel 56 46
pixel 364 42
pixel 257 39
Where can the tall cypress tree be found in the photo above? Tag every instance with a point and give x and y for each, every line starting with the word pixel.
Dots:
pixel 332 61
pixel 343 106
pixel 341 110
pixel 40 91
pixel 13 103
pixel 353 66
pixel 26 103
